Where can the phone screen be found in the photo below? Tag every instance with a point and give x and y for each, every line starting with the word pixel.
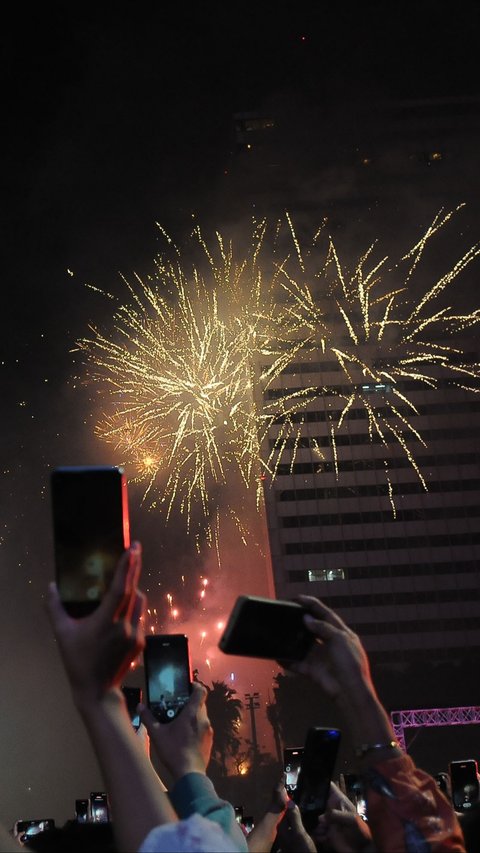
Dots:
pixel 91 532
pixel 99 807
pixel 316 771
pixel 291 765
pixel 133 696
pixel 168 674
pixel 81 811
pixel 24 829
pixel 464 783
pixel 266 628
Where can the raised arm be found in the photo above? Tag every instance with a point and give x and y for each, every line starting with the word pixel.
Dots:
pixel 97 651
pixel 404 806
pixel 184 747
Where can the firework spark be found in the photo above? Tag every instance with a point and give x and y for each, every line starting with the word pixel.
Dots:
pixel 180 369
pixel 192 358
pixel 383 340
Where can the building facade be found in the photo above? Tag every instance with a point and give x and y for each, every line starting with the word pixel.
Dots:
pixel 401 564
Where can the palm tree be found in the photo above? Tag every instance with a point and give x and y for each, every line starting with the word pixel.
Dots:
pixel 225 713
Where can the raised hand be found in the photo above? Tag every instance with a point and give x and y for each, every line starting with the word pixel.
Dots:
pixel 98 649
pixel 185 744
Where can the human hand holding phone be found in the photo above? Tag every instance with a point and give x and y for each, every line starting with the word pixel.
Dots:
pixel 98 649
pixel 341 828
pixel 185 744
pixel 91 530
pixel 337 660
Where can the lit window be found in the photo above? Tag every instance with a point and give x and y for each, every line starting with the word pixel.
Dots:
pixel 335 575
pixel 316 575
pixel 378 387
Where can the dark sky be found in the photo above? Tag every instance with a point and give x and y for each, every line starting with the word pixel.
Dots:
pixel 116 116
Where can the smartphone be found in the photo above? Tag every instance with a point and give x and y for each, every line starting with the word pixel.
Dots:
pixel 266 628
pixel 99 811
pixel 82 811
pixel 464 783
pixel 354 788
pixel 248 823
pixel 443 783
pixel 316 772
pixel 133 696
pixel 90 530
pixel 168 674
pixel 291 766
pixel 24 829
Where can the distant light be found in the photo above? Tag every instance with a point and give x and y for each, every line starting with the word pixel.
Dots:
pixel 220 625
pixel 232 676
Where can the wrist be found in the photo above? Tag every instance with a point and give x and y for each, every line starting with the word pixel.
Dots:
pixel 188 764
pixel 90 703
pixel 366 718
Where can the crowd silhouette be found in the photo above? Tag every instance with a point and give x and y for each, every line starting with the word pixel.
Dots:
pixel 392 805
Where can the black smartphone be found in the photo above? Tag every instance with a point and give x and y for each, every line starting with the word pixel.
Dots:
pixel 464 784
pixel 133 695
pixel 292 758
pixel 82 811
pixel 168 674
pixel 266 628
pixel 354 788
pixel 99 811
pixel 24 829
pixel 316 772
pixel 91 531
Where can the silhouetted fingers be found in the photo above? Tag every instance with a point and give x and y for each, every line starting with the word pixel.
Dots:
pixel 118 598
pixel 320 611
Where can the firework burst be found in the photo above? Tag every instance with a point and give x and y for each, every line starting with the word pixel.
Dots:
pixel 384 339
pixel 179 369
pixel 192 358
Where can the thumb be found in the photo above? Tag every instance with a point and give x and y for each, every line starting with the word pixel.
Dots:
pixel 148 719
pixel 294 817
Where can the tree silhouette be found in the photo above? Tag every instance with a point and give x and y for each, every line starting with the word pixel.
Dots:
pixel 225 713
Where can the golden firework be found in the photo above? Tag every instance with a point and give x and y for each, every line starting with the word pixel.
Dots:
pixel 192 357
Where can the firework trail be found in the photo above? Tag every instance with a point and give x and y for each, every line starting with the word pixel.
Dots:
pixel 384 340
pixel 180 368
pixel 190 362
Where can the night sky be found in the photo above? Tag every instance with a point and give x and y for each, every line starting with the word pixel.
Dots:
pixel 115 117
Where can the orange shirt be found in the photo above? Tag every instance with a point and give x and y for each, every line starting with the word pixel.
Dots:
pixel 407 811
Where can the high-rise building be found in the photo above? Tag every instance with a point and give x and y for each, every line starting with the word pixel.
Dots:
pixel 406 579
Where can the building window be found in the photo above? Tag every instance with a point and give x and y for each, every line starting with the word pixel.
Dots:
pixel 376 387
pixel 315 575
